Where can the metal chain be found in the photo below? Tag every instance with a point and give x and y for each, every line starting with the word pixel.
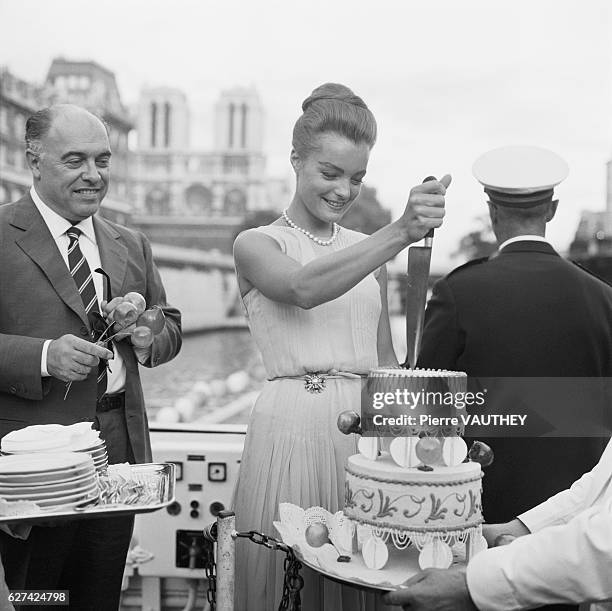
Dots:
pixel 293 581
pixel 210 537
pixel 292 584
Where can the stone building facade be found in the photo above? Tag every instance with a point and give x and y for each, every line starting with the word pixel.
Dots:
pixel 175 194
pixel 200 197
pixel 18 99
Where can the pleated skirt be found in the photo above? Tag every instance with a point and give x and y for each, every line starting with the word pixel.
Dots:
pixel 293 453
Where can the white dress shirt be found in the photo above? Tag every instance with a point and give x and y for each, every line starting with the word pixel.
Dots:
pixel 58 226
pixel 567 559
pixel 523 238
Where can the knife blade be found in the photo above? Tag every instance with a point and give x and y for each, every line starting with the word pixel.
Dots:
pixel 419 260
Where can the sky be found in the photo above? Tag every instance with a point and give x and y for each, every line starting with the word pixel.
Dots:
pixel 447 80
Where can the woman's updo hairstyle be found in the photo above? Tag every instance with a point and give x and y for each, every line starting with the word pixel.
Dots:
pixel 333 108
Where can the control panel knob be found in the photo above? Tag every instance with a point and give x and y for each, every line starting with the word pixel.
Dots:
pixel 174 508
pixel 216 507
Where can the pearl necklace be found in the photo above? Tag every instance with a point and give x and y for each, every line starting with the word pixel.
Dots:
pixel 319 241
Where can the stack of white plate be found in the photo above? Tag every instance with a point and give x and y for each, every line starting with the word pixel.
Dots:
pixel 53 481
pixel 79 437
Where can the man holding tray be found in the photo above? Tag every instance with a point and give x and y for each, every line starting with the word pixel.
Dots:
pixel 50 371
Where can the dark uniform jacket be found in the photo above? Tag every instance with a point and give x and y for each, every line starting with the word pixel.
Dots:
pixel 524 313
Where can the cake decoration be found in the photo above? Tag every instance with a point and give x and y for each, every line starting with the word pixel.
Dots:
pixel 403 451
pixel 368 447
pixel 436 555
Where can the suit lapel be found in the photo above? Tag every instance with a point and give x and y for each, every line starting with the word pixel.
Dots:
pixel 113 254
pixel 38 243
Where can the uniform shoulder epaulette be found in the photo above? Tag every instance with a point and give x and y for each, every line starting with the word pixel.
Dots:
pixel 591 272
pixel 468 264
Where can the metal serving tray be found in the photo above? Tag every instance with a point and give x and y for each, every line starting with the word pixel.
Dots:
pixel 162 474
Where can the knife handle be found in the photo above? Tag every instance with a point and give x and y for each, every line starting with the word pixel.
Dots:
pixel 430 234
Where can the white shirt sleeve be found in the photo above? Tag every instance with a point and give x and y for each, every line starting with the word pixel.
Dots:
pixel 570 563
pixel 43 359
pixel 562 507
pixel 568 558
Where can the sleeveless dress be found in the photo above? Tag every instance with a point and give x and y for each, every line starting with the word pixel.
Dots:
pixel 294 451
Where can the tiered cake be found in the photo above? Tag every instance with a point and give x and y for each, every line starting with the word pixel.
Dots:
pixel 416 488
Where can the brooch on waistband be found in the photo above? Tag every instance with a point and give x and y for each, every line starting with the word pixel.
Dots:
pixel 314 382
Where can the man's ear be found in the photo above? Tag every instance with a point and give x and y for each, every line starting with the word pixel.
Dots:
pixel 295 160
pixel 552 210
pixel 33 160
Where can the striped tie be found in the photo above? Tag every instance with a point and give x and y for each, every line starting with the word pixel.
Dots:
pixel 79 270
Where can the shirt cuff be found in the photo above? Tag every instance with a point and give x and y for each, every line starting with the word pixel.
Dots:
pixel 541 517
pixel 488 586
pixel 43 359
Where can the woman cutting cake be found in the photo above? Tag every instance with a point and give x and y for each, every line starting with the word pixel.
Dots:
pixel 316 301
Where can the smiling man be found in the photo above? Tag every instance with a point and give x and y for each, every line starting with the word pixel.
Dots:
pixel 70 163
pixel 50 370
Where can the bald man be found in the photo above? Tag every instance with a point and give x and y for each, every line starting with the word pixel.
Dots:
pixel 45 341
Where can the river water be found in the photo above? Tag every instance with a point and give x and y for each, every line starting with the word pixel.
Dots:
pixel 210 358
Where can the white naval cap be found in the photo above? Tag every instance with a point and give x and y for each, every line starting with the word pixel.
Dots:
pixel 520 176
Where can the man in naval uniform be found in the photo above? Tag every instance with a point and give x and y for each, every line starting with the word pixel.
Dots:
pixel 525 312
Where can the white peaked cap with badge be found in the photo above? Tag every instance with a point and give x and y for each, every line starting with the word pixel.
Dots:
pixel 520 176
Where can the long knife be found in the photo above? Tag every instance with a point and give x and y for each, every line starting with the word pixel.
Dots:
pixel 419 260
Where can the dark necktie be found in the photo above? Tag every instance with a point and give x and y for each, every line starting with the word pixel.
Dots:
pixel 79 270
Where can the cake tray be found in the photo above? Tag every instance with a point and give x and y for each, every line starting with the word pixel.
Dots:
pixel 163 474
pixel 401 566
pixel 355 573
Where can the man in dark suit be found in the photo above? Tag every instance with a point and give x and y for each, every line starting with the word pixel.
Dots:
pixel 46 317
pixel 525 312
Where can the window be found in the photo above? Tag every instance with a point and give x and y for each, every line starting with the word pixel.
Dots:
pixel 244 126
pixel 199 199
pixel 235 164
pixel 231 126
pixel 19 125
pixel 235 203
pixel 153 123
pixel 167 125
pixel 10 123
pixel 10 155
pixel 158 201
